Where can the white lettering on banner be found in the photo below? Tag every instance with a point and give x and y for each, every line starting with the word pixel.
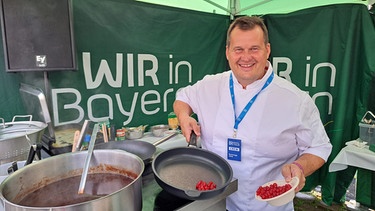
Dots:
pixel 333 73
pixel 328 95
pixel 151 72
pixel 324 65
pixel 95 98
pixel 103 70
pixel 307 72
pixel 287 71
pixel 144 103
pixel 155 99
pixel 115 81
pixel 74 105
pixel 90 112
pixel 132 108
pixel 130 70
pixel 315 72
pixel 165 107
pixel 176 70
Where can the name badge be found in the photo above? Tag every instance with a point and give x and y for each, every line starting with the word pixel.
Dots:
pixel 234 149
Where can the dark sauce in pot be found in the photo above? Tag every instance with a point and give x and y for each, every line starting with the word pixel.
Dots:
pixel 65 191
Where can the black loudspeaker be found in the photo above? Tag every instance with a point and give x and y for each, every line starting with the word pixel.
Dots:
pixel 38 35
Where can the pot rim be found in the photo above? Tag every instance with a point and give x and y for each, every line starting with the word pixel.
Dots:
pixel 57 157
pixel 20 128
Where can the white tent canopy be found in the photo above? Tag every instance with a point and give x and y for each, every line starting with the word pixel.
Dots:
pixel 250 7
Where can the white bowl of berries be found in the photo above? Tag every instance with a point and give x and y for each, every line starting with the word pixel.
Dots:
pixel 277 192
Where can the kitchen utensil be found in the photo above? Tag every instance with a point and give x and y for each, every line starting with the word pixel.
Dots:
pixel 75 140
pixel 105 133
pixel 178 170
pixel 282 198
pixel 135 132
pixel 82 134
pixel 88 159
pixel 158 130
pixel 142 149
pixel 69 165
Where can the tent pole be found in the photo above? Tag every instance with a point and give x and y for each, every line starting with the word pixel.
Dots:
pixel 233 9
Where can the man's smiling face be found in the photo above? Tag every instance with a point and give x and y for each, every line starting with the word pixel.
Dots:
pixel 247 54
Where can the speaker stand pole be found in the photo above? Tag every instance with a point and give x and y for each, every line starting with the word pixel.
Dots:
pixel 46 84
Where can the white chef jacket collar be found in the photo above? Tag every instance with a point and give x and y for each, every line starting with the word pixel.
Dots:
pixel 256 83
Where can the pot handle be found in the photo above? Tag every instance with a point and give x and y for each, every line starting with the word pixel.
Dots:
pixel 22 116
pixel 31 156
pixel 13 168
pixel 35 149
pixel 3 123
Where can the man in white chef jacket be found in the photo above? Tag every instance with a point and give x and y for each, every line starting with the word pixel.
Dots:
pixel 264 126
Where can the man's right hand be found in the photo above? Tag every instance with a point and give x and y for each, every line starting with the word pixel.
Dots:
pixel 186 122
pixel 187 125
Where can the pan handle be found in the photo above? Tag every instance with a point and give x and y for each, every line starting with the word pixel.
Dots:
pixel 193 193
pixel 193 140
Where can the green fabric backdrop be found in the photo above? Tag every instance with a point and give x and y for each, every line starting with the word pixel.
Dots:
pixel 338 43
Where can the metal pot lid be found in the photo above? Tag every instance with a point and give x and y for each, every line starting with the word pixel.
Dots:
pixel 16 129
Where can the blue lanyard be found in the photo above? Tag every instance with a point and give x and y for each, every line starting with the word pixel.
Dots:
pixel 249 104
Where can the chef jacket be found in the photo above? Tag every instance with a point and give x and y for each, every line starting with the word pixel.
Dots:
pixel 282 124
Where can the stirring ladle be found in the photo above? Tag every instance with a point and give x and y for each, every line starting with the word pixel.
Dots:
pixel 88 158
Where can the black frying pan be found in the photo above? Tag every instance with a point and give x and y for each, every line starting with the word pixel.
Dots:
pixel 142 149
pixel 178 171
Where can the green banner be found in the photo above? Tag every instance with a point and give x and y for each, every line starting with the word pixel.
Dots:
pixel 330 53
pixel 132 58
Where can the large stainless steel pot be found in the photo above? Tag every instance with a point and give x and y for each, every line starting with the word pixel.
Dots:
pixel 16 137
pixel 57 168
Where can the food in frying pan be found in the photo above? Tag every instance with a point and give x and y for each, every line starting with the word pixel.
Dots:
pixel 202 185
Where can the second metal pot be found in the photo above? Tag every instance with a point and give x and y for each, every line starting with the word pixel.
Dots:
pixel 39 174
pixel 16 137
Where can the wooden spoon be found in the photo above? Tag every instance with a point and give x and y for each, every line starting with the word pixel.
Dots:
pixel 75 140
